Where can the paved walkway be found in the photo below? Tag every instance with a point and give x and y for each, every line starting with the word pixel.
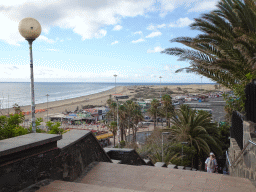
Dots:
pixel 118 177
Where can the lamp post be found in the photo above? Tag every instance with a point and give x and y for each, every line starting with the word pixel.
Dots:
pixel 163 133
pixel 201 85
pixel 115 82
pixel 30 29
pixel 117 121
pixel 182 143
pixel 160 88
pixel 47 106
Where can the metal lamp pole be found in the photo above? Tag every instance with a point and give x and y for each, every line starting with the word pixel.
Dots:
pixel 160 87
pixel 118 130
pixel 201 85
pixel 30 29
pixel 47 106
pixel 115 82
pixel 163 133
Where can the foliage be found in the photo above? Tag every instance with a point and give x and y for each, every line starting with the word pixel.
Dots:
pixel 113 128
pixel 37 124
pixel 197 129
pixel 225 50
pixel 16 108
pixel 54 127
pixel 189 153
pixel 224 133
pixel 122 144
pixel 10 126
pixel 153 110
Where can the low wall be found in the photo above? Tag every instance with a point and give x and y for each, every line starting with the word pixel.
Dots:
pixel 66 161
pixel 78 148
pixel 245 166
pixel 125 155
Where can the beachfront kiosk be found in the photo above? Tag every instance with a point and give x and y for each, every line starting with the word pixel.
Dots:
pixel 118 130
pixel 30 29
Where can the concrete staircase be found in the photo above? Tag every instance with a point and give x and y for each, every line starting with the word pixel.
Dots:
pixel 120 177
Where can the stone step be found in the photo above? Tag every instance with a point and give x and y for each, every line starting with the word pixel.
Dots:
pixel 64 186
pixel 149 178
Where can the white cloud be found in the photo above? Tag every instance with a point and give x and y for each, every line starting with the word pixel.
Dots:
pixel 85 18
pixel 43 38
pixel 154 27
pixel 138 32
pixel 154 34
pixel 181 22
pixel 167 6
pixel 115 42
pixel 203 6
pixel 52 50
pixel 155 50
pixel 151 27
pixel 101 33
pixel 117 28
pixel 139 40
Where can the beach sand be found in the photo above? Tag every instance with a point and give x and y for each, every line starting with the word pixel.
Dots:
pixel 99 99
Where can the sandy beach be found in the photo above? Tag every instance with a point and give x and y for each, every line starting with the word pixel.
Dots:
pixel 99 99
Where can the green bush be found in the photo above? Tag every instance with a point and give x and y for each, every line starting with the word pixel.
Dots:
pixel 9 126
pixel 122 144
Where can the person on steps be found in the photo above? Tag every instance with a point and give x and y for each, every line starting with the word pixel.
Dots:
pixel 211 163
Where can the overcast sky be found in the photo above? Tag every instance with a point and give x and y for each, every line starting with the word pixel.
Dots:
pixel 90 41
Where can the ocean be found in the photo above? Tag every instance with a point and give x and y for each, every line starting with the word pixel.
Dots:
pixel 11 93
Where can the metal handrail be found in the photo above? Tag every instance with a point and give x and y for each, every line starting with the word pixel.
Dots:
pixel 252 142
pixel 242 151
pixel 228 159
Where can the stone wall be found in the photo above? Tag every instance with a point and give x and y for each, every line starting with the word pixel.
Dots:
pixel 245 166
pixel 74 152
pixel 19 174
pixel 125 155
pixel 75 157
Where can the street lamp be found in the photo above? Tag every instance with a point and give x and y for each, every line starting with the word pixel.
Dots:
pixel 182 143
pixel 117 121
pixel 163 133
pixel 160 88
pixel 115 82
pixel 201 85
pixel 30 29
pixel 47 106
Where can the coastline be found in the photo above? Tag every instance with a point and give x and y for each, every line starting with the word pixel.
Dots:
pixel 99 99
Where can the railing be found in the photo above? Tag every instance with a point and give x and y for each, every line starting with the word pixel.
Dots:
pixel 250 102
pixel 233 163
pixel 228 159
pixel 236 130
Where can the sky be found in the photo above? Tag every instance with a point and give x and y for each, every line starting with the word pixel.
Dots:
pixel 91 40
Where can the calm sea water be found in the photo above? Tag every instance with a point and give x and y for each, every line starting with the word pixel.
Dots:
pixel 11 93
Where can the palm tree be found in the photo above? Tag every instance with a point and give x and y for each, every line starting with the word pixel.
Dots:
pixel 122 120
pixel 225 52
pixel 129 105
pixel 153 110
pixel 136 117
pixel 113 128
pixel 167 107
pixel 196 129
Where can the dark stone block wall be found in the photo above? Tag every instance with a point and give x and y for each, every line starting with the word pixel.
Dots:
pixel 129 156
pixel 72 160
pixel 19 174
pixel 74 152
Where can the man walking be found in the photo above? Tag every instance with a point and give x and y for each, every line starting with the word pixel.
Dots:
pixel 211 163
